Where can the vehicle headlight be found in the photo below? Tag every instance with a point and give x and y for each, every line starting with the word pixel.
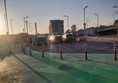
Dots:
pixel 51 38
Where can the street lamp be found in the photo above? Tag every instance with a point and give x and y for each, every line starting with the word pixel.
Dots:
pixel 117 17
pixel 84 20
pixel 117 10
pixel 24 19
pixel 27 25
pixel 85 33
pixel 84 17
pixel 30 28
pixel 6 17
pixel 97 19
pixel 67 21
pixel 97 23
pixel 11 26
pixel 88 22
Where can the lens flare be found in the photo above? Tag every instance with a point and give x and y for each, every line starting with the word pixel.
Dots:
pixel 2 27
pixel 51 38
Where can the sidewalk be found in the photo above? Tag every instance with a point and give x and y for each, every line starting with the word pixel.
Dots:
pixel 14 71
pixel 22 68
pixel 25 69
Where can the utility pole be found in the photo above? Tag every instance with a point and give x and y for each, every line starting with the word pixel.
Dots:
pixel 85 46
pixel 11 26
pixel 6 17
pixel 30 28
pixel 117 17
pixel 35 28
pixel 67 21
pixel 97 24
pixel 117 10
pixel 24 19
pixel 27 25
pixel 84 20
pixel 88 22
pixel 97 19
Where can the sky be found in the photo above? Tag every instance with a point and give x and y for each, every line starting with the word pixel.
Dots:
pixel 41 11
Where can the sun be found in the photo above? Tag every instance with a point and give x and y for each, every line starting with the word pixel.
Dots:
pixel 2 25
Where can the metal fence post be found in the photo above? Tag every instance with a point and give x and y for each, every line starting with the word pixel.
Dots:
pixel 43 51
pixel 115 53
pixel 23 49
pixel 61 56
pixel 86 57
pixel 30 50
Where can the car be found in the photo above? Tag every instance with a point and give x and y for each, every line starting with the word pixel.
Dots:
pixel 34 39
pixel 68 37
pixel 55 39
pixel 41 40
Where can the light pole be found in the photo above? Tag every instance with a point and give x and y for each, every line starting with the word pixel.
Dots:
pixel 88 22
pixel 35 28
pixel 117 17
pixel 27 25
pixel 97 19
pixel 67 21
pixel 84 19
pixel 30 28
pixel 97 23
pixel 86 58
pixel 6 17
pixel 117 10
pixel 24 19
pixel 11 26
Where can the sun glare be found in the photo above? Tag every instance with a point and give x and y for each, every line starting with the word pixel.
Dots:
pixel 1 25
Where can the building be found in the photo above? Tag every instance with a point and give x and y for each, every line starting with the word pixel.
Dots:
pixel 101 31
pixel 89 31
pixel 56 27
pixel 73 28
pixel 81 32
pixel 109 30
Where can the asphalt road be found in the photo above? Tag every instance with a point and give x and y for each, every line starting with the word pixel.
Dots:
pixel 93 47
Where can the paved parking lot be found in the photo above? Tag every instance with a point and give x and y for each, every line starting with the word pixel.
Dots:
pixel 93 47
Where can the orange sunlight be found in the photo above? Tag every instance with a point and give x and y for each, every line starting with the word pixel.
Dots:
pixel 2 27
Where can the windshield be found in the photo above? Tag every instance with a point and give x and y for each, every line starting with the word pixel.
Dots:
pixel 42 39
